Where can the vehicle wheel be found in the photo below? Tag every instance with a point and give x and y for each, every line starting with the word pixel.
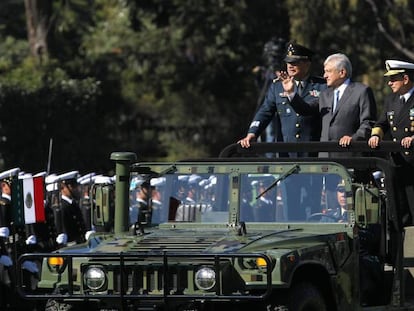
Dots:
pixel 53 305
pixel 306 297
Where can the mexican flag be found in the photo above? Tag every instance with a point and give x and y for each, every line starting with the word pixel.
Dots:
pixel 29 200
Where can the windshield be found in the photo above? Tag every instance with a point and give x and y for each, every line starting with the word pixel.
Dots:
pixel 180 198
pixel 293 196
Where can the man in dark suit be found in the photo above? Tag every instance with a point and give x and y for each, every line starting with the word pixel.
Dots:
pixel 347 108
pixel 294 127
pixel 398 121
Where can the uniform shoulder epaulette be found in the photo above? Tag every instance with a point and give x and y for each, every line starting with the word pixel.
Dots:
pixel 3 201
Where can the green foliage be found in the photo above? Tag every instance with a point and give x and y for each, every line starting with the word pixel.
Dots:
pixel 168 79
pixel 49 105
pixel 12 51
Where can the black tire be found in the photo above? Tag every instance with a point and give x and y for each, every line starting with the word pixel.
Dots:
pixel 305 296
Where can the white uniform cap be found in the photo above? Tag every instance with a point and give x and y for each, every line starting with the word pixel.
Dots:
pixel 183 177
pixel 10 173
pixel 135 183
pixel 203 182
pixel 86 179
pixel 51 187
pixel 42 174
pixel 6 176
pixel 193 179
pixel 378 174
pixel 211 177
pixel 25 175
pixel 100 179
pixel 73 175
pixel 51 178
pixel 51 183
pixel 156 182
pixel 395 67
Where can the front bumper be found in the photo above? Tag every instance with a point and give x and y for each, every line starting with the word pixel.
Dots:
pixel 162 278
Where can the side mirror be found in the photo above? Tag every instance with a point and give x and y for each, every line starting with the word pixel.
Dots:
pixel 367 207
pixel 103 208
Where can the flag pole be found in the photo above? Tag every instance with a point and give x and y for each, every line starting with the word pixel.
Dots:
pixel 49 158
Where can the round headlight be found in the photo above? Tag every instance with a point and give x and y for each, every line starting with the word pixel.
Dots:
pixel 95 278
pixel 205 278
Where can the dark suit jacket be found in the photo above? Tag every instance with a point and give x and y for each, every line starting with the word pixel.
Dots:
pixel 354 115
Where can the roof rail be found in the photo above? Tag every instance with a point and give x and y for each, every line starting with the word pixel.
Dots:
pixel 235 150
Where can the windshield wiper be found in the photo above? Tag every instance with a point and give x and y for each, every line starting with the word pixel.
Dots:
pixel 291 171
pixel 169 170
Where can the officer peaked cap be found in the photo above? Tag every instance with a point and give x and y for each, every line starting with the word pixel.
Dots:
pixel 296 52
pixel 395 67
pixel 7 176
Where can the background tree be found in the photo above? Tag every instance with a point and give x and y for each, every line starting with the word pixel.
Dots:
pixel 166 79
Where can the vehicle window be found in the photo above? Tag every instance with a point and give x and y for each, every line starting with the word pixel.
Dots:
pixel 304 197
pixel 181 198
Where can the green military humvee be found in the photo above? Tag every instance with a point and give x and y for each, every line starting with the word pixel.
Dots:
pixel 240 232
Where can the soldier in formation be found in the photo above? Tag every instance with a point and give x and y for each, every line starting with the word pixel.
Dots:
pixel 63 223
pixel 69 223
pixel 16 238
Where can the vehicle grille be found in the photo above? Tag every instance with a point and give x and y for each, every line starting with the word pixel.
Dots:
pixel 144 276
pixel 143 280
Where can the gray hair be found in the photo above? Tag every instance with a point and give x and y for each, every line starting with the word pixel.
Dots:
pixel 340 61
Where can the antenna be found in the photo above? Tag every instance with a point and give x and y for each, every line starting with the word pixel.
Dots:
pixel 49 158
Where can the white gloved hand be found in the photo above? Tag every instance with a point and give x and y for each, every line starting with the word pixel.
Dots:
pixel 31 240
pixel 6 261
pixel 88 234
pixel 62 238
pixel 30 266
pixel 4 232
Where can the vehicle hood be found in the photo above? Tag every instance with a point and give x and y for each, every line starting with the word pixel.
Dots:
pixel 205 241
